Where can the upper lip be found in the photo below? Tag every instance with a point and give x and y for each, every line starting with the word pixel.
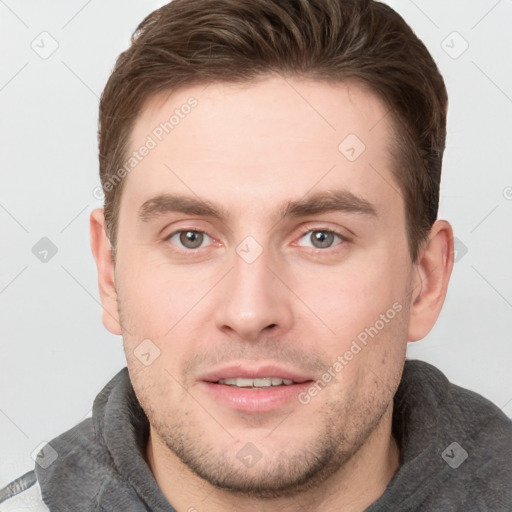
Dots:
pixel 248 371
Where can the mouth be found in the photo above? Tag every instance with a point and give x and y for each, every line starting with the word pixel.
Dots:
pixel 261 383
pixel 254 390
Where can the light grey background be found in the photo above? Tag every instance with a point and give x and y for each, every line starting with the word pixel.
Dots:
pixel 55 355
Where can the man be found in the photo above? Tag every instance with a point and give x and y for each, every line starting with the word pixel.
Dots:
pixel 269 245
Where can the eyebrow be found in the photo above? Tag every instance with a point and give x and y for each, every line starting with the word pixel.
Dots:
pixel 314 204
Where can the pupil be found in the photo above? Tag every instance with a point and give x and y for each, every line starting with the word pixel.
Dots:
pixel 191 239
pixel 321 239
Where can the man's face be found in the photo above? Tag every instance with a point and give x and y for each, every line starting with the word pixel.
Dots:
pixel 264 292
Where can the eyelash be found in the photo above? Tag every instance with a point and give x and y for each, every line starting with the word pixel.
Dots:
pixel 315 250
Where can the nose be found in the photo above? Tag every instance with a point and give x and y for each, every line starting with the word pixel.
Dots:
pixel 252 300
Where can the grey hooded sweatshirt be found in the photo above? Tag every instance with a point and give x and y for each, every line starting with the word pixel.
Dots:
pixel 456 455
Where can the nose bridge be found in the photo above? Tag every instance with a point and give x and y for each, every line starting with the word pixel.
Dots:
pixel 252 298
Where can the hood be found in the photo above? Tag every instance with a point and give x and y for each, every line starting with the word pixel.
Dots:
pixel 100 462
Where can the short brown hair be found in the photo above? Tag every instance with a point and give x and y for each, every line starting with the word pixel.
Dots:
pixel 187 42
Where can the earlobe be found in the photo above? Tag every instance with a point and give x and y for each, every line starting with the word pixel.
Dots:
pixel 434 268
pixel 102 253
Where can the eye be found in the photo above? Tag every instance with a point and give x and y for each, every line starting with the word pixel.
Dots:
pixel 322 238
pixel 189 239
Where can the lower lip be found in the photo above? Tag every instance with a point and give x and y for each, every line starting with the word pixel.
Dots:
pixel 255 400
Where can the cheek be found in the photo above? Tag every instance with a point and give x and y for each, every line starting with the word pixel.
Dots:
pixel 154 296
pixel 353 297
pixel 368 353
pixel 163 304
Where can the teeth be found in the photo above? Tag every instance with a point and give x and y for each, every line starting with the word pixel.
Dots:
pixel 264 382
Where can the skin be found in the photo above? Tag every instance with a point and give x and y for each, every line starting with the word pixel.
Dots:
pixel 250 148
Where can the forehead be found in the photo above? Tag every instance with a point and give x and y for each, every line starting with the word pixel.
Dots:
pixel 262 142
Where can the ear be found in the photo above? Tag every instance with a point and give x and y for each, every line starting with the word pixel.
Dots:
pixel 102 252
pixel 432 274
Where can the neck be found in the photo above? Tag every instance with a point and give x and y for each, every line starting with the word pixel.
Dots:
pixel 355 486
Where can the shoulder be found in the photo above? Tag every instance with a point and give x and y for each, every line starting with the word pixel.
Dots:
pixel 487 432
pixel 461 408
pixel 463 440
pixel 465 413
pixel 24 494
